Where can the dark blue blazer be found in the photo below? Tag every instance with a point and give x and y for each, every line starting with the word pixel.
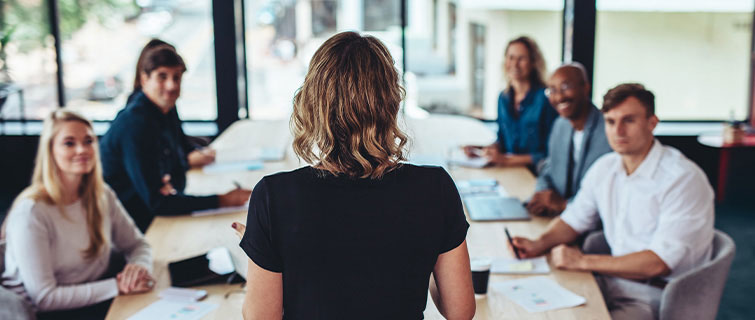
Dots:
pixel 141 146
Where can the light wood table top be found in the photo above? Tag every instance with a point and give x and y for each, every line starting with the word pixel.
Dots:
pixel 176 238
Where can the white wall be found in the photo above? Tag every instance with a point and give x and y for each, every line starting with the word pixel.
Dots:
pixel 696 64
pixel 501 26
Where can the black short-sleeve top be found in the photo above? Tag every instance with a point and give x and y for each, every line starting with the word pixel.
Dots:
pixel 354 248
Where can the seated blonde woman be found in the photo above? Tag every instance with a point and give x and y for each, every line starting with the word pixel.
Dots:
pixel 61 230
pixel 358 234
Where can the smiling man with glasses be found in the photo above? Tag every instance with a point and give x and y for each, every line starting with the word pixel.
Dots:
pixel 576 141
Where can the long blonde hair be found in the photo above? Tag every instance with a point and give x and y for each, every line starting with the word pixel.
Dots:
pixel 345 114
pixel 46 185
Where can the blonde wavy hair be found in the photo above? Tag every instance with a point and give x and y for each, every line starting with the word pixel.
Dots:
pixel 537 75
pixel 46 185
pixel 345 114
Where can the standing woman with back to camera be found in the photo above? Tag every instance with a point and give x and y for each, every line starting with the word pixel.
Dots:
pixel 358 234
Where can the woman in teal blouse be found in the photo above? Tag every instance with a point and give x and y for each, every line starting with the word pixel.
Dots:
pixel 525 116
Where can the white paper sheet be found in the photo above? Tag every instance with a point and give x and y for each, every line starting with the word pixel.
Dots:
pixel 537 265
pixel 538 294
pixel 174 310
pixel 182 294
pixel 481 188
pixel 446 161
pixel 221 210
pixel 221 167
pixel 464 161
pixel 250 154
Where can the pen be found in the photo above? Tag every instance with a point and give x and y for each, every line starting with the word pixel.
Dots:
pixel 238 185
pixel 511 242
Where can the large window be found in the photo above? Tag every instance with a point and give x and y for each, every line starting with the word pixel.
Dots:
pixel 282 36
pixel 99 75
pixel 101 41
pixel 446 71
pixel 693 55
pixel 27 61
pixel 455 49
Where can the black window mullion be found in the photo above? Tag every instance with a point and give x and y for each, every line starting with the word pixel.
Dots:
pixel 403 38
pixel 241 43
pixel 54 19
pixel 579 33
pixel 230 71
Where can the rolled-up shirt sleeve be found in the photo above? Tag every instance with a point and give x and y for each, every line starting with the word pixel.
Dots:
pixel 685 225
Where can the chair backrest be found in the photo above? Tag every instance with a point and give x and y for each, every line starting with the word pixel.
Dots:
pixel 696 294
pixel 2 256
pixel 595 243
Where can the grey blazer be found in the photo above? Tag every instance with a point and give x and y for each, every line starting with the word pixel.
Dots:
pixel 594 144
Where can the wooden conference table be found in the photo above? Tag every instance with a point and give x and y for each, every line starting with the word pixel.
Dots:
pixel 176 238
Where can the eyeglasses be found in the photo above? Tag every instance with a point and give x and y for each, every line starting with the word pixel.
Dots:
pixel 563 88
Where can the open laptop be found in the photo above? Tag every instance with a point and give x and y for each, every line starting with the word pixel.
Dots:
pixel 495 208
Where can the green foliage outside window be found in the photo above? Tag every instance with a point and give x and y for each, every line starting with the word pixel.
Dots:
pixel 26 23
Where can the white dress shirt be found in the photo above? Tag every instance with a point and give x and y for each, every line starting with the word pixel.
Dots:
pixel 577 145
pixel 665 205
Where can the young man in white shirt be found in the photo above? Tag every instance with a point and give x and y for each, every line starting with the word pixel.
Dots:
pixel 655 204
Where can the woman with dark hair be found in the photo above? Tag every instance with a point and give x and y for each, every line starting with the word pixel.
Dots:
pixel 150 45
pixel 525 116
pixel 145 153
pixel 359 234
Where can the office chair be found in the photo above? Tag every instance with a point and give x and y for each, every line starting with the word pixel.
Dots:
pixel 696 294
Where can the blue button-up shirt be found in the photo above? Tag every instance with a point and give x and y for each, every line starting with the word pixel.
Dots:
pixel 526 132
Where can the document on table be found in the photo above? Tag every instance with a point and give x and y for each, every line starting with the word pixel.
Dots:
pixel 464 161
pixel 221 210
pixel 244 154
pixel 435 160
pixel 537 265
pixel 537 294
pixel 480 187
pixel 221 167
pixel 174 310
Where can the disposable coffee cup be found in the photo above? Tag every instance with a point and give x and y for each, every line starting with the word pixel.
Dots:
pixel 480 274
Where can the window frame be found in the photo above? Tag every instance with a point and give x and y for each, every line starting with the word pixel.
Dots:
pixel 230 98
pixel 578 44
